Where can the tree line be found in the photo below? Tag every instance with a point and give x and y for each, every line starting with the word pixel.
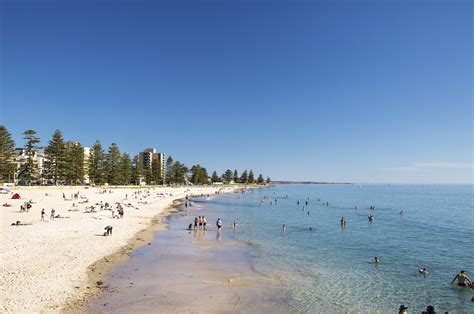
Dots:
pixel 65 162
pixel 247 177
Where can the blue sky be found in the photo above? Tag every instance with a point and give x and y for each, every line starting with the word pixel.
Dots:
pixel 360 91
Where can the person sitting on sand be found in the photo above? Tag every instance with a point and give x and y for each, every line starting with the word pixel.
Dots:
pixel 19 223
pixel 190 227
pixel 463 279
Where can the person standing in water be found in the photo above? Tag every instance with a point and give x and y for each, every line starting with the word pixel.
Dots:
pixel 463 279
pixel 219 224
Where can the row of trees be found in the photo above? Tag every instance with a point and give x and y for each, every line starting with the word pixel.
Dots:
pixel 246 177
pixel 65 162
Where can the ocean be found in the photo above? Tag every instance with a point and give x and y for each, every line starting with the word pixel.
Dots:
pixel 324 267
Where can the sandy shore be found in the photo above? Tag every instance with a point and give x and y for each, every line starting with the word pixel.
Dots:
pixel 46 264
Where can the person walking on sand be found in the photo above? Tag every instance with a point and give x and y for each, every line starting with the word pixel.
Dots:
pixel 43 213
pixel 52 214
pixel 219 224
pixel 463 279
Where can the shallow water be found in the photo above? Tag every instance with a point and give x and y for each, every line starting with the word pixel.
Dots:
pixel 331 267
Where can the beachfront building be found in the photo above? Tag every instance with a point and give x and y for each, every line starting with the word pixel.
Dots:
pixel 21 158
pixel 149 156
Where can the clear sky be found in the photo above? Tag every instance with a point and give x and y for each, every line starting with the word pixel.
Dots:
pixel 359 91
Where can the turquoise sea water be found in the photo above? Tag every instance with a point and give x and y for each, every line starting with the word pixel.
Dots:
pixel 331 266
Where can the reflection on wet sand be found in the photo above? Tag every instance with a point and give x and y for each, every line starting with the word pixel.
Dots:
pixel 191 272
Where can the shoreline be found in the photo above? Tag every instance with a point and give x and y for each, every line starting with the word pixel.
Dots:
pixel 182 269
pixel 98 271
pixel 55 264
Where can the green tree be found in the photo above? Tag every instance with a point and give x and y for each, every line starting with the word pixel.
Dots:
pixel 169 170
pixel 157 170
pixel 114 175
pixel 269 180
pixel 97 164
pixel 29 171
pixel 215 177
pixel 55 161
pixel 244 178
pixel 126 169
pixel 179 173
pixel 260 179
pixel 199 175
pixel 236 176
pixel 137 170
pixel 228 176
pixel 251 178
pixel 147 175
pixel 7 156
pixel 74 161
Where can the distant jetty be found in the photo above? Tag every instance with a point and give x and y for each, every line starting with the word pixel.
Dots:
pixel 308 182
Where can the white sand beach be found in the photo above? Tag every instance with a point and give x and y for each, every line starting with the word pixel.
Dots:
pixel 44 264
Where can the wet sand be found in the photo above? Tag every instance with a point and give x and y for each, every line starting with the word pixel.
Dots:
pixel 190 272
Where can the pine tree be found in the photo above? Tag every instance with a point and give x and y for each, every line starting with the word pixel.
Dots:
pixel 55 162
pixel 97 164
pixel 29 171
pixel 74 160
pixel 269 180
pixel 199 175
pixel 114 175
pixel 244 177
pixel 147 175
pixel 156 170
pixel 137 171
pixel 169 170
pixel 126 169
pixel 228 176
pixel 260 179
pixel 236 176
pixel 251 178
pixel 179 173
pixel 7 156
pixel 215 177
